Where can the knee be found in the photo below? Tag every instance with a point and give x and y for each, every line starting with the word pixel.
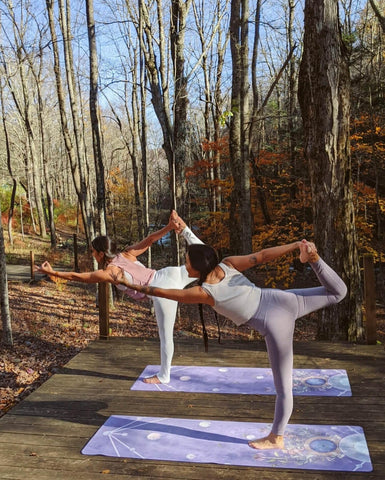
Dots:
pixel 342 291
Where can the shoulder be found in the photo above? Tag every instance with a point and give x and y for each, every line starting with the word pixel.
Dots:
pixel 127 254
pixel 227 264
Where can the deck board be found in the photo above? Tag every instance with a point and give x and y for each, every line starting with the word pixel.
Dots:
pixel 42 436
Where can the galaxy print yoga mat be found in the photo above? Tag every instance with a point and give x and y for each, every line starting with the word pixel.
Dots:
pixel 306 382
pixel 307 447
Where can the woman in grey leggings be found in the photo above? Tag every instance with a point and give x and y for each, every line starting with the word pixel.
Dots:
pixel 272 312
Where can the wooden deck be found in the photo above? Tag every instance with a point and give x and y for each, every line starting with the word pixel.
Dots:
pixel 42 437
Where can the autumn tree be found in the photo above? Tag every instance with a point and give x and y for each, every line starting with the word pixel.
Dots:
pixel 324 99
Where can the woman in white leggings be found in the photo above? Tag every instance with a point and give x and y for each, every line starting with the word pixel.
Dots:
pixel 165 309
pixel 272 312
pixel 126 263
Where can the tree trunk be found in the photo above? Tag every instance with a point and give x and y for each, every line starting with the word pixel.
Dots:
pixel 9 165
pixel 78 180
pixel 85 198
pixel 179 10
pixel 25 114
pixel 324 99
pixel 379 15
pixel 95 122
pixel 5 313
pixel 36 70
pixel 240 212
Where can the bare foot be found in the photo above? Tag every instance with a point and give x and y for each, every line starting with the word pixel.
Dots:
pixel 153 379
pixel 268 443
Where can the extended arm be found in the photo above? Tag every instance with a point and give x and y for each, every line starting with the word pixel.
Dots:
pixel 243 262
pixel 135 250
pixel 97 276
pixel 189 295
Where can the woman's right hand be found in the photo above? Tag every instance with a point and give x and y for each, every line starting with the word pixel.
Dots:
pixel 177 221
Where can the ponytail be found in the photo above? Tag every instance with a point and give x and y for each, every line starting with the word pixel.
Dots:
pixel 204 259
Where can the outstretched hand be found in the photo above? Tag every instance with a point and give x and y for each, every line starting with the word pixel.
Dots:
pixel 45 267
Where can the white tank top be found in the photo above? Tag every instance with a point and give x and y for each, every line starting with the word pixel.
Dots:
pixel 235 296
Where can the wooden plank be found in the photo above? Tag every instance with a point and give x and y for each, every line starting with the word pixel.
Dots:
pixel 42 437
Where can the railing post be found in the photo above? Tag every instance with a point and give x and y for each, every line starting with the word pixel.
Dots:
pixel 32 263
pixel 104 310
pixel 370 300
pixel 76 257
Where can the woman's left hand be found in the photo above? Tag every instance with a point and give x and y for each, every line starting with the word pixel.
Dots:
pixel 45 267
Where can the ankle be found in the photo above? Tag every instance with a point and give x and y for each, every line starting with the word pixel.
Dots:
pixel 313 257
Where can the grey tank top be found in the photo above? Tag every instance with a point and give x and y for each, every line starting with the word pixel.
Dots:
pixel 235 296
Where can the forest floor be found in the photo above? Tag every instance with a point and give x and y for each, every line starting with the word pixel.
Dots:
pixel 52 322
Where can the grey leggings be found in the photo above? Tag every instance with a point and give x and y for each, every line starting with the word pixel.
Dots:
pixel 275 319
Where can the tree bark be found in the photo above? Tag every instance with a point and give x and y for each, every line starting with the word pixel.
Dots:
pixel 78 180
pixel 324 99
pixel 9 165
pixel 240 211
pixel 85 195
pixel 379 15
pixel 95 121
pixel 5 312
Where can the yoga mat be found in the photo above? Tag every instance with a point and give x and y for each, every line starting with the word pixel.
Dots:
pixel 307 447
pixel 306 382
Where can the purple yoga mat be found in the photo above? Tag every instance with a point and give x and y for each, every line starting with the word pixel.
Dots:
pixel 332 383
pixel 307 447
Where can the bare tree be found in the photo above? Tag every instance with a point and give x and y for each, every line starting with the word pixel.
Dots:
pixel 240 211
pixel 130 115
pixel 213 43
pixel 85 191
pixel 379 15
pixel 9 162
pixel 5 312
pixel 324 100
pixel 95 121
pixel 35 63
pixel 75 161
pixel 23 101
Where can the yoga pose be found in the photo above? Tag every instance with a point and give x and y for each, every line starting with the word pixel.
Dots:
pixel 126 263
pixel 270 311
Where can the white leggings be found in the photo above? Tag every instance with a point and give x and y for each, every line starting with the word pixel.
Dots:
pixel 165 309
pixel 275 319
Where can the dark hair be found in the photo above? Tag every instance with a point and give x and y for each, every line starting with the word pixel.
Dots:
pixel 203 258
pixel 107 246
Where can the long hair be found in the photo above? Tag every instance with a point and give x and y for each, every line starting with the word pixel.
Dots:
pixel 107 246
pixel 204 259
